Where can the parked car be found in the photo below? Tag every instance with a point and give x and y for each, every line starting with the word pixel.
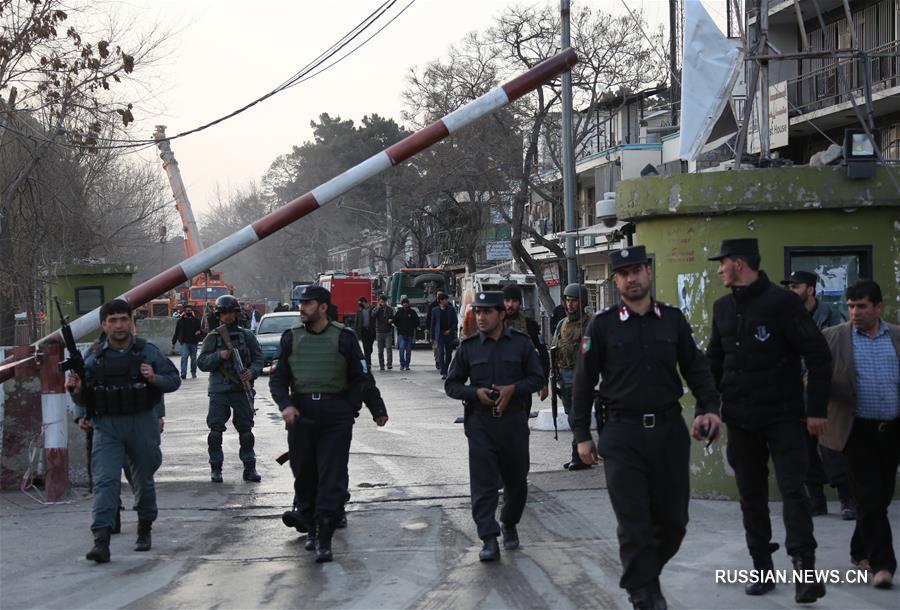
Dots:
pixel 270 329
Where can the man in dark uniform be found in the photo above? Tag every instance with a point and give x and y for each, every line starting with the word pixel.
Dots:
pixel 638 348
pixel 759 335
pixel 566 341
pixel 503 371
pixel 227 391
pixel 319 382
pixel 121 399
pixel 364 325
pixel 512 301
pixel 825 465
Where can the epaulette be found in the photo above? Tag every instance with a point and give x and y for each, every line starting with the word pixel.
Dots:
pixel 338 325
pixel 517 331
pixel 606 311
pixel 469 338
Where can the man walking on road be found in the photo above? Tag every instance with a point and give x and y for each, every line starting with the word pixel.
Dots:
pixel 227 391
pixel 825 465
pixel 637 349
pixel 503 371
pixel 319 382
pixel 759 335
pixel 512 300
pixel 188 333
pixel 364 326
pixel 121 399
pixel 566 343
pixel 864 422
pixel 407 322
pixel 383 319
pixel 443 330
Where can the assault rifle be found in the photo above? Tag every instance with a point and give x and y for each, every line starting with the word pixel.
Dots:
pixel 236 361
pixel 554 389
pixel 75 363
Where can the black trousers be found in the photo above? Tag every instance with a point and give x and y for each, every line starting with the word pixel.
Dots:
pixel 319 446
pixel 498 451
pixel 748 453
pixel 368 340
pixel 825 466
pixel 873 451
pixel 648 477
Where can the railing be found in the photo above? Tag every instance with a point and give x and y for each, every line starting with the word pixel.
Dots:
pixel 833 83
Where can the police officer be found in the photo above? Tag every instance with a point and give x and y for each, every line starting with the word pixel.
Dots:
pixel 512 301
pixel 638 348
pixel 227 392
pixel 824 464
pixel 319 381
pixel 759 335
pixel 503 371
pixel 121 399
pixel 566 340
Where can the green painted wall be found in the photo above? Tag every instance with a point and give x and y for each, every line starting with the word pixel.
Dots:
pixel 114 278
pixel 682 219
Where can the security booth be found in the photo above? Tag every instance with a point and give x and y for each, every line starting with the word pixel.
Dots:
pixel 805 218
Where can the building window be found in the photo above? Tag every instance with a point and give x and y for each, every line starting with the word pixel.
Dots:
pixel 836 266
pixel 88 298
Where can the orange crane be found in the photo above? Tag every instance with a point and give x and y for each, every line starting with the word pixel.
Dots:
pixel 208 285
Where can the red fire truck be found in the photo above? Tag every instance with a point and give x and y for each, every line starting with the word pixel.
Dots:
pixel 346 288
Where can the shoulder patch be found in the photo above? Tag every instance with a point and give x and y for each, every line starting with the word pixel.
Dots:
pixel 585 345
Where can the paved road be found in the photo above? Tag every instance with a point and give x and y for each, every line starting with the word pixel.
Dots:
pixel 410 542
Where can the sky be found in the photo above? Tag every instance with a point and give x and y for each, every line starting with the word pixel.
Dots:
pixel 221 54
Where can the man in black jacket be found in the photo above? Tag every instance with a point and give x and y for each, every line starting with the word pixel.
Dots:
pixel 188 333
pixel 406 320
pixel 759 335
pixel 364 327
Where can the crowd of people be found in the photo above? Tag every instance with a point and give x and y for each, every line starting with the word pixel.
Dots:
pixel 783 374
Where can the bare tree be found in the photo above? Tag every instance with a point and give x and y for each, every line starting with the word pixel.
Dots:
pixel 613 56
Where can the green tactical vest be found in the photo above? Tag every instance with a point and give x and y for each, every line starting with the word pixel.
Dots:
pixel 317 365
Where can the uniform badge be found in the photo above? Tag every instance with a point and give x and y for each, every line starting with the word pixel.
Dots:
pixel 623 314
pixel 585 345
pixel 762 334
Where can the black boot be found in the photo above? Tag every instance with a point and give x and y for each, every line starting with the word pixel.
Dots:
pixel 296 520
pixel 250 473
pixel 510 537
pixel 117 526
pixel 764 568
pixel 643 598
pixel 143 536
pixel 490 551
pixel 325 530
pixel 311 539
pixel 216 473
pixel 100 552
pixel 807 592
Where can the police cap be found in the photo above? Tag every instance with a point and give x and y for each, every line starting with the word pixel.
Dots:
pixel 315 293
pixel 626 257
pixel 745 246
pixel 489 299
pixel 801 277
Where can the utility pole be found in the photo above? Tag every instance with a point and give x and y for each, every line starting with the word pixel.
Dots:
pixel 764 148
pixel 568 173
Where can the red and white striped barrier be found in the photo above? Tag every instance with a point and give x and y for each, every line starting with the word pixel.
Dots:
pixel 55 424
pixel 319 196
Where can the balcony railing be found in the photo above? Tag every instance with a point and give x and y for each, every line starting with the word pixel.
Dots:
pixel 832 84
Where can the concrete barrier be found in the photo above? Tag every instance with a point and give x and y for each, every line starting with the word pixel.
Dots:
pixel 158 331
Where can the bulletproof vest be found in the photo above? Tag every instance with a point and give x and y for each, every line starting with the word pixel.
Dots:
pixel 568 339
pixel 317 365
pixel 518 322
pixel 239 342
pixel 118 388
